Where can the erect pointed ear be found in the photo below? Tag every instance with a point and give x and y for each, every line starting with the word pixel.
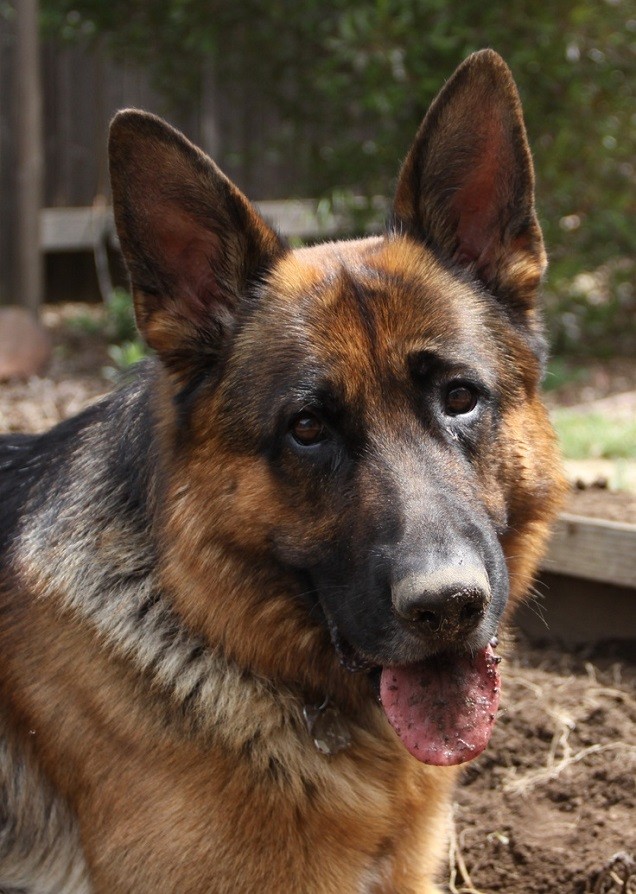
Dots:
pixel 192 242
pixel 467 185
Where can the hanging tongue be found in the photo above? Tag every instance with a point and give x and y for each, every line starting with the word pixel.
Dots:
pixel 443 709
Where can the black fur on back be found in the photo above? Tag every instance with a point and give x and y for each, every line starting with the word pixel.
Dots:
pixel 115 433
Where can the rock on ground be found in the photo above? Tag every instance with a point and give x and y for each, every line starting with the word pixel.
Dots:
pixel 25 345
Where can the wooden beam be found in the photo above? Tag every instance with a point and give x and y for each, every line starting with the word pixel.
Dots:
pixel 574 610
pixel 30 166
pixel 76 229
pixel 593 549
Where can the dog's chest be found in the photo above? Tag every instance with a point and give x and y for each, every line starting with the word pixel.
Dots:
pixel 377 878
pixel 40 848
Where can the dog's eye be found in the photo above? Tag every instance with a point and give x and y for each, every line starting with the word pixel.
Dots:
pixel 459 399
pixel 307 429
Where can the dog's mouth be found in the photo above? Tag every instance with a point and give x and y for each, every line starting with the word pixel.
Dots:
pixel 443 708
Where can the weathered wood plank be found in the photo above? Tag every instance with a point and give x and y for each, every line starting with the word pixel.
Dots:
pixel 575 611
pixel 593 549
pixel 74 229
pixel 300 218
pixel 313 219
pixel 77 229
pixel 30 157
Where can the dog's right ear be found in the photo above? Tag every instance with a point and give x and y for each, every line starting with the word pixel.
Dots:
pixel 192 242
pixel 467 185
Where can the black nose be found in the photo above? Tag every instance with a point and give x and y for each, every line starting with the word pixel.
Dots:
pixel 447 603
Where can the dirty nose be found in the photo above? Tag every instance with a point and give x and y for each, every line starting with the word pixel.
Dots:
pixel 448 603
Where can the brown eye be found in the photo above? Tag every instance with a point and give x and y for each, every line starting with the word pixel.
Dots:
pixel 460 399
pixel 307 429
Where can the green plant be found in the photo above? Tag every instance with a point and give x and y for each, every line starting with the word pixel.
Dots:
pixel 116 325
pixel 592 313
pixel 124 356
pixel 561 372
pixel 594 436
pixel 126 347
pixel 86 324
pixel 120 323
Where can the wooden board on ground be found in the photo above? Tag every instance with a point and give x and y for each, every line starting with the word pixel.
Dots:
pixel 593 549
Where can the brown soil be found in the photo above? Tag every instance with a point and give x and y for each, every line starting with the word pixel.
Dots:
pixel 552 800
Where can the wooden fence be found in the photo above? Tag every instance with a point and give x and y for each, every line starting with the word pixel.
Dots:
pixel 80 92
pixel 82 88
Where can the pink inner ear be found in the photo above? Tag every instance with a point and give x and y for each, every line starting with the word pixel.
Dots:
pixel 480 201
pixel 196 282
pixel 476 237
pixel 189 253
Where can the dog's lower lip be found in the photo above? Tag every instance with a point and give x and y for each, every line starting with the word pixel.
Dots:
pixel 375 675
pixel 351 659
pixel 355 661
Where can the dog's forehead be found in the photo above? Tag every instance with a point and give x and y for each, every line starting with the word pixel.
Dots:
pixel 373 295
pixel 346 319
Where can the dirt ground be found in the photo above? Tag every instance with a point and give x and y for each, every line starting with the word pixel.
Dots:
pixel 551 804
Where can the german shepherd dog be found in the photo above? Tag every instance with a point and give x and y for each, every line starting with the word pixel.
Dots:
pixel 247 603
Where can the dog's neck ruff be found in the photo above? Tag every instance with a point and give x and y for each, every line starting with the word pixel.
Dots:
pixel 131 617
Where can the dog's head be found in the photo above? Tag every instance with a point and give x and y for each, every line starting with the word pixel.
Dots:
pixel 363 414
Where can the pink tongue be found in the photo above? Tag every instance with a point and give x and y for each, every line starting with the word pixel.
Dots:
pixel 444 709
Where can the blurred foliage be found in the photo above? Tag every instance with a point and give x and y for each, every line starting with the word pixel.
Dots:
pixel 126 347
pixel 591 436
pixel 594 312
pixel 560 372
pixel 124 356
pixel 116 325
pixel 118 328
pixel 350 80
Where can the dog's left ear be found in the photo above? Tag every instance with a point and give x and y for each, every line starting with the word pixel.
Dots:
pixel 467 185
pixel 193 244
